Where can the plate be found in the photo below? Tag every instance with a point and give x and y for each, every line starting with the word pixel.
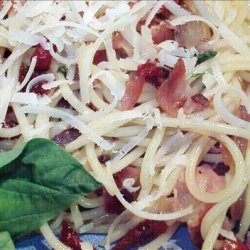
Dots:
pixel 181 238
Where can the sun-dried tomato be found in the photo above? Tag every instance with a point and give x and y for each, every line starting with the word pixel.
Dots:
pixel 44 58
pixel 69 236
pixel 153 74
pixel 233 245
pixel 143 233
pixel 38 88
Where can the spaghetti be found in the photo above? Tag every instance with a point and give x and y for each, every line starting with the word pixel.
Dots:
pixel 152 97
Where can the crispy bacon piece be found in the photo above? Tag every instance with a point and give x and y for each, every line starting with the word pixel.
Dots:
pixel 44 58
pixel 66 136
pixel 181 198
pixel 122 47
pixel 171 94
pixel 201 102
pixel 152 73
pixel 233 245
pixel 208 180
pixel 190 34
pixel 12 10
pixel 132 92
pixel 147 72
pixel 140 24
pixel 162 32
pixel 111 203
pixel 69 236
pixel 100 56
pixel 143 233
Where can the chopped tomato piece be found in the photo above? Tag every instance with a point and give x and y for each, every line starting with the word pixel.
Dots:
pixel 69 236
pixel 143 233
pixel 111 204
pixel 233 245
pixel 38 88
pixel 66 136
pixel 44 58
pixel 152 74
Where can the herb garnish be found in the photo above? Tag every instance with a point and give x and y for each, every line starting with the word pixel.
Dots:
pixel 37 181
pixel 205 56
pixel 63 70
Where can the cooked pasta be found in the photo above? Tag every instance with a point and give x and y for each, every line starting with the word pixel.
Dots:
pixel 152 97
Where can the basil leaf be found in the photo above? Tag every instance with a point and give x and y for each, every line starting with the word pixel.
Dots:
pixel 6 242
pixel 37 181
pixel 205 56
pixel 63 70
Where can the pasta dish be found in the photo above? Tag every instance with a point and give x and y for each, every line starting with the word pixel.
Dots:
pixel 151 97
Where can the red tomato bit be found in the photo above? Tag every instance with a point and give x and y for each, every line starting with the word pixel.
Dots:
pixel 43 58
pixel 143 233
pixel 153 74
pixel 233 245
pixel 69 236
pixel 39 90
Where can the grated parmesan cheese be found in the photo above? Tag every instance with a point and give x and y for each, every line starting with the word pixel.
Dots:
pixel 30 98
pixel 6 87
pixel 45 77
pixel 70 119
pixel 128 184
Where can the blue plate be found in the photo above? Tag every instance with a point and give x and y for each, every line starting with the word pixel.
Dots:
pixel 181 238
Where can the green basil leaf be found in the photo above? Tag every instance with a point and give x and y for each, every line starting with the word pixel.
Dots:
pixel 6 242
pixel 205 56
pixel 63 70
pixel 37 181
